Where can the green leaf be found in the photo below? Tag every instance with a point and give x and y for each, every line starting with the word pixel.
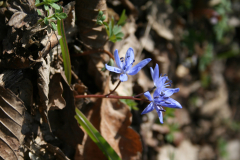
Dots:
pixel 54 26
pixel 39 12
pixel 103 18
pixel 116 29
pixel 110 29
pixel 46 7
pixel 106 24
pixel 46 21
pixel 100 13
pixel 53 18
pixel 96 136
pixel 122 19
pixel 55 6
pixel 59 10
pixel 52 1
pixel 37 2
pixel 62 15
pixel 119 35
pixel 65 51
pixel 58 18
pixel 99 22
pixel 118 39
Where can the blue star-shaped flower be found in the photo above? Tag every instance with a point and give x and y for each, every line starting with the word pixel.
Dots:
pixel 125 68
pixel 159 81
pixel 161 96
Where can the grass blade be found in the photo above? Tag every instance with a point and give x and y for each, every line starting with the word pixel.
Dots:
pixel 96 136
pixel 65 51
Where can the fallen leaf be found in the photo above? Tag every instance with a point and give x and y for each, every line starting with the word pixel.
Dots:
pixel 43 88
pixel 11 117
pixel 17 20
pixel 161 30
pixel 112 118
pixel 56 101
pixel 63 123
pixel 25 16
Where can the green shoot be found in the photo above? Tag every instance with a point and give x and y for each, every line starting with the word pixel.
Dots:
pixel 65 51
pixel 96 136
pixel 113 30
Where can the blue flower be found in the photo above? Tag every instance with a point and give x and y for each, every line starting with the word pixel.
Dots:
pixel 161 98
pixel 155 74
pixel 159 81
pixel 125 68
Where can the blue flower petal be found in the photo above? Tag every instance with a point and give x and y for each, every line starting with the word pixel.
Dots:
pixel 148 95
pixel 129 57
pixel 113 69
pixel 160 116
pixel 117 59
pixel 123 77
pixel 158 91
pixel 156 74
pixel 170 91
pixel 149 108
pixel 134 70
pixel 152 74
pixel 169 102
pixel 162 80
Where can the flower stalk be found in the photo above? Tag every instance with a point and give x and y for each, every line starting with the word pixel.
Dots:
pixel 113 89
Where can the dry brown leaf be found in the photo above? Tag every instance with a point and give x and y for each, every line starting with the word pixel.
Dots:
pixel 17 20
pixel 55 92
pixel 18 36
pixel 161 30
pixel 112 118
pixel 24 16
pixel 41 150
pixel 43 88
pixel 63 123
pixel 11 117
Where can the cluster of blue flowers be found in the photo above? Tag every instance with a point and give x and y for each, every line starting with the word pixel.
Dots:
pixel 161 96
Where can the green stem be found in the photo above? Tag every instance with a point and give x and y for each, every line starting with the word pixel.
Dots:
pixel 41 20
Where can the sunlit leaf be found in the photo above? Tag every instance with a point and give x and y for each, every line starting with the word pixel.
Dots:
pixel 39 12
pixel 122 19
pixel 54 26
pixel 37 2
pixel 54 5
pixel 46 7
